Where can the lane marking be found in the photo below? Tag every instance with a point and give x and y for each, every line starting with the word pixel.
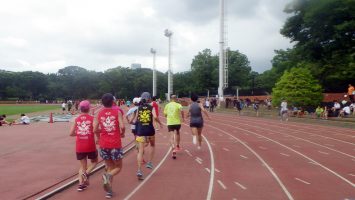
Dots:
pixel 296 146
pixel 312 163
pixel 198 158
pixel 198 161
pixel 285 154
pixel 225 149
pixel 322 152
pixel 240 185
pixel 244 157
pixel 188 153
pixel 210 187
pixel 300 180
pixel 213 144
pixel 297 152
pixel 208 170
pixel 217 170
pixel 148 177
pixel 330 145
pixel 263 148
pixel 222 185
pixel 352 174
pixel 288 194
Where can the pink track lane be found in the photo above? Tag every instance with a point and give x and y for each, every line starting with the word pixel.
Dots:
pixel 324 185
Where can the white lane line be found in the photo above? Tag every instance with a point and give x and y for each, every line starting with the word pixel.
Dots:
pixel 240 185
pixel 225 149
pixel 352 174
pixel 217 170
pixel 210 187
pixel 260 137
pixel 322 152
pixel 208 170
pixel 243 156
pixel 245 133
pixel 297 152
pixel 198 161
pixel 148 177
pixel 213 144
pixel 263 148
pixel 296 146
pixel 220 135
pixel 313 163
pixel 285 154
pixel 222 185
pixel 300 180
pixel 188 153
pixel 198 158
pixel 330 145
pixel 288 194
pixel 231 138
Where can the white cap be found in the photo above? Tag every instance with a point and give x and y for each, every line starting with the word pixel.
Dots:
pixel 136 100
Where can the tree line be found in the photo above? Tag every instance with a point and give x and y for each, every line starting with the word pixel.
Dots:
pixel 322 31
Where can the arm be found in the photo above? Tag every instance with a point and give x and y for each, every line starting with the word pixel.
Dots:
pixel 188 113
pixel 204 111
pixel 97 129
pixel 156 118
pixel 72 130
pixel 165 111
pixel 121 125
pixel 182 115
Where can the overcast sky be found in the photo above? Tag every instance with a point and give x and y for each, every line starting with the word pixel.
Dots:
pixel 47 35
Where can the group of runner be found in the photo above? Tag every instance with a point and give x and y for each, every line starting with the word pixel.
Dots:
pixel 109 128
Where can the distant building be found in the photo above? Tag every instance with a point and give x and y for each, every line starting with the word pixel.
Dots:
pixel 136 66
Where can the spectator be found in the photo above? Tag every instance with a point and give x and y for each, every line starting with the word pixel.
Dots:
pixel 284 110
pixel 319 111
pixel 336 108
pixel 3 120
pixel 345 111
pixel 24 120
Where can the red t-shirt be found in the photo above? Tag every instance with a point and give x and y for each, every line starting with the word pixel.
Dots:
pixel 110 136
pixel 156 108
pixel 85 140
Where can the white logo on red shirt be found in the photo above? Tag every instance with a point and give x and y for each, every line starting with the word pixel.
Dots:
pixel 109 123
pixel 83 128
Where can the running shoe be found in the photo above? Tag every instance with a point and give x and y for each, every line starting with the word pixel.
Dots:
pixel 194 139
pixel 85 177
pixel 140 175
pixel 178 148
pixel 109 195
pixel 174 154
pixel 81 187
pixel 149 165
pixel 106 182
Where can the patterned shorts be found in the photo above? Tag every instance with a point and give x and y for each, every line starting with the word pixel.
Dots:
pixel 111 154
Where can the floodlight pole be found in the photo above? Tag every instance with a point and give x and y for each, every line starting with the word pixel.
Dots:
pixel 153 51
pixel 168 34
pixel 221 52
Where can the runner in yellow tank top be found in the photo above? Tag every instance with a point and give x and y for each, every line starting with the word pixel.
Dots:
pixel 172 112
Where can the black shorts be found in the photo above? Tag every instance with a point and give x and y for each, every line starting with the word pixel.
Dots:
pixel 174 127
pixel 196 125
pixel 91 155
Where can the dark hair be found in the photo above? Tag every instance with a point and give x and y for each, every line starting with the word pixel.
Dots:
pixel 154 98
pixel 194 97
pixel 107 100
pixel 23 115
pixel 4 116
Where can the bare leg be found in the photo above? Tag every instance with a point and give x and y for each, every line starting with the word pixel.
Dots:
pixel 172 140
pixel 177 138
pixel 140 155
pixel 83 168
pixel 199 137
pixel 152 149
pixel 91 166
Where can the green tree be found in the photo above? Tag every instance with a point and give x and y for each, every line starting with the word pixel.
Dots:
pixel 298 87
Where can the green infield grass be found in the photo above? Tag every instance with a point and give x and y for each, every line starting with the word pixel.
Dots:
pixel 19 109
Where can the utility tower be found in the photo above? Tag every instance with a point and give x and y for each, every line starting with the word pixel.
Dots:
pixel 223 51
pixel 154 52
pixel 168 34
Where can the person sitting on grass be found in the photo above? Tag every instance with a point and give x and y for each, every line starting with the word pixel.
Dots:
pixel 24 120
pixel 319 111
pixel 85 143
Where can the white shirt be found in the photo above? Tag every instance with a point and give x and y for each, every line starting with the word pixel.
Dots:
pixel 207 103
pixel 25 119
pixel 283 106
pixel 337 105
pixel 346 109
pixel 63 105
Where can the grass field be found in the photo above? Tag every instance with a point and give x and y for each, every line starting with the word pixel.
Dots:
pixel 18 109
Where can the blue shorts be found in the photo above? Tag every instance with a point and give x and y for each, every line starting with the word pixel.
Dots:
pixel 111 154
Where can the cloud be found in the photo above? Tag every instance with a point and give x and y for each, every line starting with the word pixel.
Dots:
pixel 46 36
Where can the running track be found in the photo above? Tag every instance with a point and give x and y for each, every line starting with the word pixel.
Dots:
pixel 243 158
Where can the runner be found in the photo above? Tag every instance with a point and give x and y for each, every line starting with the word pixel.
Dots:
pixel 284 110
pixel 156 108
pixel 63 107
pixel 172 112
pixel 196 120
pixel 109 129
pixel 131 116
pixel 145 132
pixel 85 143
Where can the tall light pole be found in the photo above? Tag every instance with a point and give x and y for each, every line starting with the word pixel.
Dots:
pixel 221 51
pixel 168 34
pixel 153 51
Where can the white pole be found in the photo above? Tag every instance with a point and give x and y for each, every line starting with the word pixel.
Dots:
pixel 168 34
pixel 153 51
pixel 238 93
pixel 221 51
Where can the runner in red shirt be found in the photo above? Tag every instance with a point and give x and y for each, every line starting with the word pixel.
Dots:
pixel 85 143
pixel 156 108
pixel 109 128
